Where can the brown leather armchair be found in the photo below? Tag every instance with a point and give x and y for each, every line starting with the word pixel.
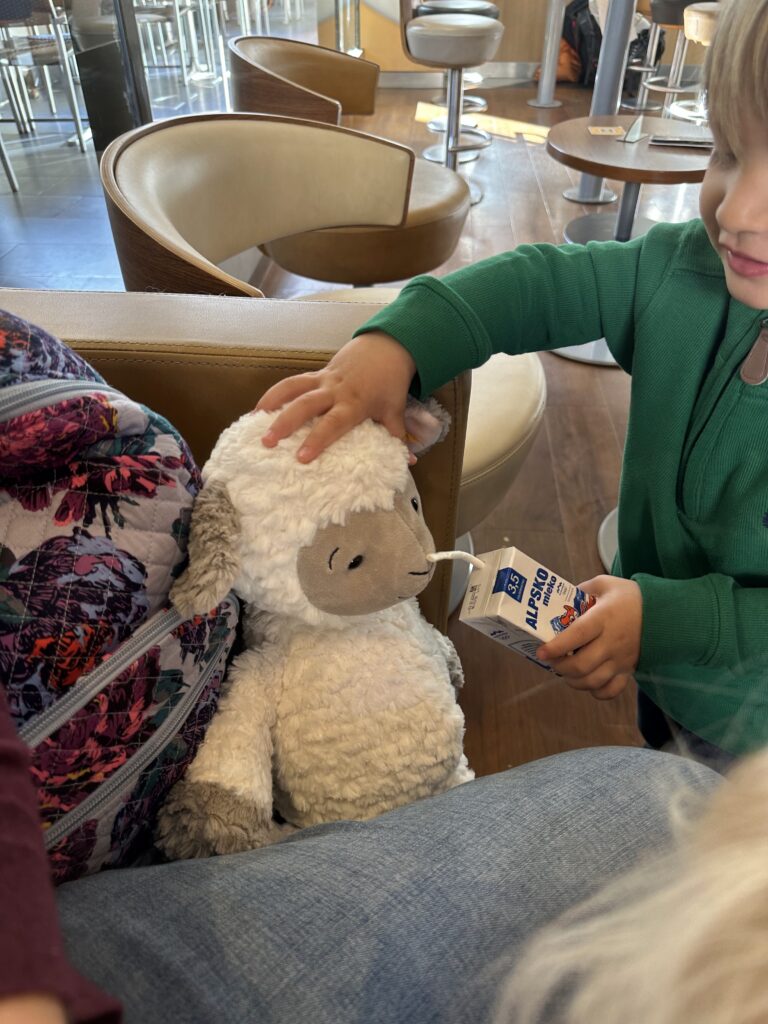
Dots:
pixel 202 361
pixel 283 76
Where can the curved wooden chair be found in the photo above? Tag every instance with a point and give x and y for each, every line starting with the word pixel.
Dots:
pixel 187 195
pixel 294 79
pixel 280 76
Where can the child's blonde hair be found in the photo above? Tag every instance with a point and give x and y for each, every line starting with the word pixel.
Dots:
pixel 736 70
pixel 681 939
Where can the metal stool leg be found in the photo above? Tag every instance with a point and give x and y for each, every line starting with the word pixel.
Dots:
pixel 69 84
pixel 453 144
pixel 7 167
pixel 545 95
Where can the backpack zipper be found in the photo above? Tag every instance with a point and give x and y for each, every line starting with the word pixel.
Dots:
pixel 132 768
pixel 88 685
pixel 18 399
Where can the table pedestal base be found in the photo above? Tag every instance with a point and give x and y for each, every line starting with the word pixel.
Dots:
pixel 595 352
pixel 604 196
pixel 608 539
pixel 601 227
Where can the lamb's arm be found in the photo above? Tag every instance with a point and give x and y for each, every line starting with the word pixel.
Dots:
pixel 224 802
pixel 455 671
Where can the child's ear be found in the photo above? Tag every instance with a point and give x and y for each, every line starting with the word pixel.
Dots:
pixel 213 560
pixel 426 423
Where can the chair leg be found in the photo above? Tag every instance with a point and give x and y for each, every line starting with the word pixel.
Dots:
pixel 69 85
pixel 151 43
pixel 651 59
pixel 161 41
pixel 244 17
pixel 49 89
pixel 15 101
pixel 264 5
pixel 453 126
pixel 181 43
pixel 22 92
pixel 7 167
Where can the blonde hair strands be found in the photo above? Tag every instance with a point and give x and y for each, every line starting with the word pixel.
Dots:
pixel 736 71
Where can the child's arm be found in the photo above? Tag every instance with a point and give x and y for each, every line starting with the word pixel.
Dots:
pixel 35 976
pixel 535 298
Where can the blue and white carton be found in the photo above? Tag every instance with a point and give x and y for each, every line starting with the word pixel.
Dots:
pixel 519 603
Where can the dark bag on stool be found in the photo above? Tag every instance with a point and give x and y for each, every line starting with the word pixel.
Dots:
pixel 109 688
pixel 582 32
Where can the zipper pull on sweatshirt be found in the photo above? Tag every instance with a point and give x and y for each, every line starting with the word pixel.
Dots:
pixel 754 369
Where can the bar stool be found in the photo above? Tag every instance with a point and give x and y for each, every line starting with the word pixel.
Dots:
pixel 700 24
pixel 470 104
pixel 667 14
pixel 483 9
pixel 453 42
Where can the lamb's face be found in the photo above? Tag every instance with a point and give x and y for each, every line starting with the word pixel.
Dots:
pixel 371 562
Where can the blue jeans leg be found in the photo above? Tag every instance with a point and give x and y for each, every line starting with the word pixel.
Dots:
pixel 411 918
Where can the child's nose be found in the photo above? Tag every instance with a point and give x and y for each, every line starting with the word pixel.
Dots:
pixel 744 207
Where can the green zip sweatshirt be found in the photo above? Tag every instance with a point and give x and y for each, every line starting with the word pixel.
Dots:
pixel 693 504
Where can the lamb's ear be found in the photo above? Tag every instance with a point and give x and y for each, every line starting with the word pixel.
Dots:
pixel 213 561
pixel 426 423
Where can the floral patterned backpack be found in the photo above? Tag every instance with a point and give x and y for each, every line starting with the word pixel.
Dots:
pixel 109 688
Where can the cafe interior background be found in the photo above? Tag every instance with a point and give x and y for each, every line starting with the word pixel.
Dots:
pixel 74 77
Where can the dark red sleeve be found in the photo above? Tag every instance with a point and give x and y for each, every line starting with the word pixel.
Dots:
pixel 32 956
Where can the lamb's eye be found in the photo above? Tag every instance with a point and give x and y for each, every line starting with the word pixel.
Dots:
pixel 356 562
pixel 415 504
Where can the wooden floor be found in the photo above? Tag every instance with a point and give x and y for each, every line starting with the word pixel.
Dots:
pixel 515 711
pixel 55 234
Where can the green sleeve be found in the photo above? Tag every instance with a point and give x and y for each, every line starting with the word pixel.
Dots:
pixel 534 298
pixel 710 621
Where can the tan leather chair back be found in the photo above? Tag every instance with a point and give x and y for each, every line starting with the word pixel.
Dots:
pixel 203 360
pixel 283 76
pixel 197 190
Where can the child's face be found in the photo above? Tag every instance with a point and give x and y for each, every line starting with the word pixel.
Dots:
pixel 734 207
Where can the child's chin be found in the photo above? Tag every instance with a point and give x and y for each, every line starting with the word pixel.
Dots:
pixel 751 291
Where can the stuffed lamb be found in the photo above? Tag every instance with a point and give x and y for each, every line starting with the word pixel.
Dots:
pixel 344 703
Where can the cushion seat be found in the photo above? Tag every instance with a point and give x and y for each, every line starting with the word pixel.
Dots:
pixel 437 209
pixel 453 40
pixel 700 22
pixel 506 406
pixel 483 8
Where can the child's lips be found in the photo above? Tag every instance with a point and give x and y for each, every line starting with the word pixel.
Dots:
pixel 745 266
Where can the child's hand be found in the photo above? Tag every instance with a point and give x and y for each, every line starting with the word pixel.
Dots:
pixel 605 640
pixel 368 378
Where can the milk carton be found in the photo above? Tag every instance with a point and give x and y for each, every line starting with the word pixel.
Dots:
pixel 518 602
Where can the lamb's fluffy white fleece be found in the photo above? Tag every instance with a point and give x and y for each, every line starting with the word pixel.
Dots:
pixel 352 722
pixel 359 472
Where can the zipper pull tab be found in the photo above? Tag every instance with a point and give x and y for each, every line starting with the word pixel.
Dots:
pixel 754 369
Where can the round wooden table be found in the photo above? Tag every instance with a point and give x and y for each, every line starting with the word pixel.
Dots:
pixel 634 163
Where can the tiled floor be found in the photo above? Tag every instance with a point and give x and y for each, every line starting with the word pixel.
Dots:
pixel 54 233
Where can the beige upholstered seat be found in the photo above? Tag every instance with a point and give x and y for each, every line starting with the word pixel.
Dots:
pixel 186 195
pixel 453 40
pixel 700 22
pixel 505 411
pixel 281 76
